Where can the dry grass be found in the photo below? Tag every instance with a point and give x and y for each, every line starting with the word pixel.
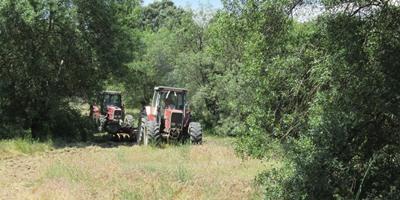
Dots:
pixel 209 171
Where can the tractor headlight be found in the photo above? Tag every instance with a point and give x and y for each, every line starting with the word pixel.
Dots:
pixel 118 115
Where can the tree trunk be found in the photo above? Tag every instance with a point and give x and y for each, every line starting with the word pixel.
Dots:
pixel 35 128
pixel 39 128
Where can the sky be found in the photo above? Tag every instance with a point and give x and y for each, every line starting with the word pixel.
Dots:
pixel 194 4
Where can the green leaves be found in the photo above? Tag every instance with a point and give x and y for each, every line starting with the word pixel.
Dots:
pixel 319 84
pixel 55 50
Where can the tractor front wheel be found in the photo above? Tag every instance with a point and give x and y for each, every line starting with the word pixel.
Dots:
pixel 153 135
pixel 196 133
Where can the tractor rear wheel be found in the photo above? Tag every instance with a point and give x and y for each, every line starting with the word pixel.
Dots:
pixel 153 134
pixel 196 133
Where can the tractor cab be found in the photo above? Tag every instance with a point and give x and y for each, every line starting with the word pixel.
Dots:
pixel 172 98
pixel 168 101
pixel 110 99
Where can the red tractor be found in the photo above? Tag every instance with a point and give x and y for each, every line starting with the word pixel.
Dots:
pixel 109 114
pixel 168 118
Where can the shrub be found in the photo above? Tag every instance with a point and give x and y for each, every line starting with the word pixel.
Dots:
pixel 69 125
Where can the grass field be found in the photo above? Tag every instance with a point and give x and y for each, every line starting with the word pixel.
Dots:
pixel 125 171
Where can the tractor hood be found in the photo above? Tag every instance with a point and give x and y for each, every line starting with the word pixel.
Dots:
pixel 173 118
pixel 114 112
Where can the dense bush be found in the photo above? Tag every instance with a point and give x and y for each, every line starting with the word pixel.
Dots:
pixel 9 131
pixel 69 125
pixel 331 96
pixel 66 124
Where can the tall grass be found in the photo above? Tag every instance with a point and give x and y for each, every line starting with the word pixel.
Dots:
pixel 69 172
pixel 22 146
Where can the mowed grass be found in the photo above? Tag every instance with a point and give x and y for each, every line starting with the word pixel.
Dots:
pixel 208 171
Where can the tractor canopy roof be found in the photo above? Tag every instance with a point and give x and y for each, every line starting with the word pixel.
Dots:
pixel 111 92
pixel 164 88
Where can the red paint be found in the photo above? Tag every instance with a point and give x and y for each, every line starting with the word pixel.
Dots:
pixel 96 112
pixel 167 116
pixel 110 111
pixel 150 115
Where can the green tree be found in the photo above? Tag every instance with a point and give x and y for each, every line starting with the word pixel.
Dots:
pixel 165 33
pixel 54 50
pixel 327 91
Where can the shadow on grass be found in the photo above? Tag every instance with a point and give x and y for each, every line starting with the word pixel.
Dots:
pixel 102 140
pixel 10 148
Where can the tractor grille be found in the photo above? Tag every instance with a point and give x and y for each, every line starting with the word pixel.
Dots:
pixel 176 119
pixel 118 114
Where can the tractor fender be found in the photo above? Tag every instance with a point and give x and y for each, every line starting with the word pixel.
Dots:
pixel 151 112
pixel 94 112
pixel 187 119
pixel 110 112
